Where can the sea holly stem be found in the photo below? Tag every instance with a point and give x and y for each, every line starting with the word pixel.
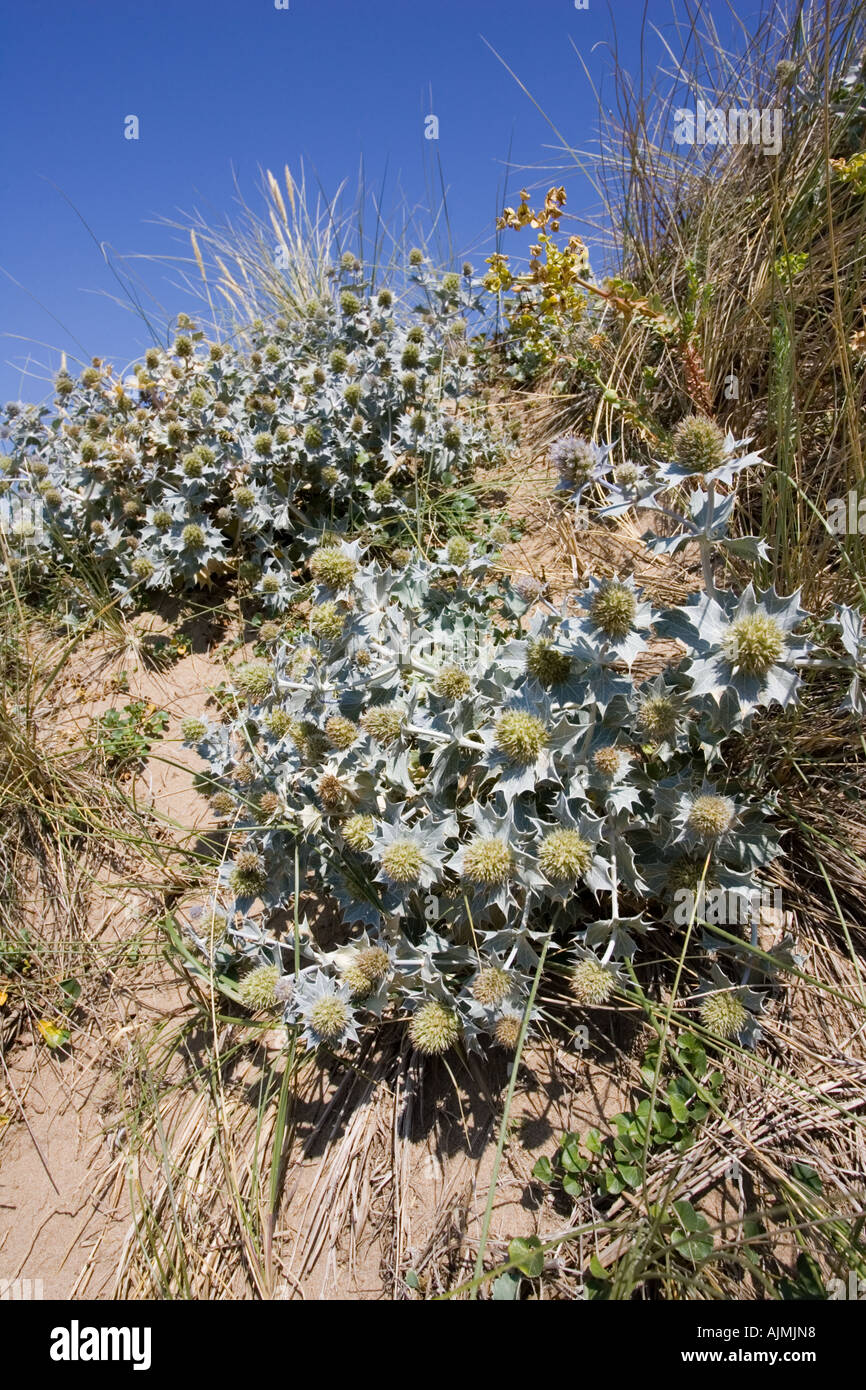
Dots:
pixel 706 541
pixel 614 889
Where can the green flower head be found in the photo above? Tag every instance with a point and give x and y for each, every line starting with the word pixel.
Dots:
pixel 434 1029
pixel 723 1014
pixel 331 567
pixel 254 680
pixel 546 664
pixel 698 444
pixel 522 737
pixel 402 862
pixel 492 985
pixel 613 609
pixel 591 983
pixel 257 988
pixel 564 856
pixel 488 861
pixel 754 643
pixel 358 831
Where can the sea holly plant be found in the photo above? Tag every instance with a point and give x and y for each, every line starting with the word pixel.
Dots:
pixel 210 459
pixel 464 772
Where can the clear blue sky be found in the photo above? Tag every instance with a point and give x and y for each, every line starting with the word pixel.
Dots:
pixel 226 87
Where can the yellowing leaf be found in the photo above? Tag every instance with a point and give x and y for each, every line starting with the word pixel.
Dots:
pixel 4 995
pixel 53 1036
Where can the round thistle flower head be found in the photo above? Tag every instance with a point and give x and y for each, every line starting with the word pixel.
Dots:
pixel 279 722
pixel 331 792
pixel 39 469
pixel 545 663
pixel 451 283
pixel 359 985
pixel 222 804
pixel 269 805
pixel 193 536
pixel 591 983
pixel 313 437
pixel 341 732
pixel 192 466
pixel 610 763
pixel 132 507
pixel 263 444
pixel 271 584
pixel 564 856
pixel 254 680
pixel 249 875
pixel 152 358
pixel 244 496
pixel 339 360
pixel 488 861
pixel 689 874
pixel 698 444
pixel 419 423
pixel 711 816
pixel 142 568
pixel 198 398
pixel 452 683
pixel 350 303
pixel 411 356
pixel 373 962
pixel 383 723
pixel 385 299
pixel 352 394
pixel 507 1031
pixel 193 730
pixel 243 774
pixel 458 551
pixel 327 621
pixel 657 716
pixel 89 451
pixel 627 474
pixel 452 437
pixel 183 346
pixel 330 476
pixel 434 1029
pixel 723 1014
pixel 613 609
pixel 575 459
pixel 409 383
pixel 330 566
pixel 416 257
pixel 383 492
pixel 754 643
pixel 328 1017
pixel 162 519
pixel 520 736
pixel 402 861
pixel 257 988
pixel 269 632
pixel 53 497
pixel 358 831
pixel 492 985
